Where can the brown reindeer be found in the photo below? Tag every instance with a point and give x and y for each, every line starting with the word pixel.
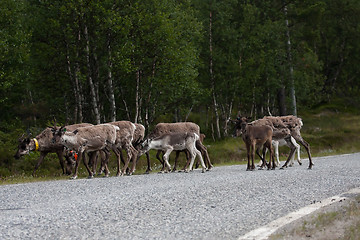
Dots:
pixel 255 137
pixel 139 135
pixel 44 144
pixel 89 140
pixel 285 127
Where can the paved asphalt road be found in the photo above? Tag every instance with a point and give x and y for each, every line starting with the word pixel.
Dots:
pixel 224 203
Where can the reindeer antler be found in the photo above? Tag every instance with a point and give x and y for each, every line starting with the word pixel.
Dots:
pixel 21 137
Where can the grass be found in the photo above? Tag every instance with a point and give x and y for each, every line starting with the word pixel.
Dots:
pixel 328 132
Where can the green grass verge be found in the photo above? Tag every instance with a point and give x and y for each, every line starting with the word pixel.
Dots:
pixel 328 132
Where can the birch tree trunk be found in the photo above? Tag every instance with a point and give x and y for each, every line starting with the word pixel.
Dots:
pixel 68 68
pixel 110 85
pixel 78 84
pixel 289 58
pixel 212 79
pixel 125 104
pixel 90 79
pixel 137 96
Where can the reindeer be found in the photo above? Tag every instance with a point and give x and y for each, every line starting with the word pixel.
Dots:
pixel 44 144
pixel 282 142
pixel 254 138
pixel 138 137
pixel 181 127
pixel 188 157
pixel 174 141
pixel 89 140
pixel 286 128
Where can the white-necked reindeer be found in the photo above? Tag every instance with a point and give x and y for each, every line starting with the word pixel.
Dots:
pixel 174 141
pixel 282 142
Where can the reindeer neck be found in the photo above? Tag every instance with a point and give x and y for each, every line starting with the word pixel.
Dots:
pixel 71 141
pixel 34 145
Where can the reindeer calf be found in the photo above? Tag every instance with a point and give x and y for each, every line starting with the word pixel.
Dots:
pixel 177 142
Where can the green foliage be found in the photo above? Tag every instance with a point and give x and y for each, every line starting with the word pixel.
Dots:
pixel 155 57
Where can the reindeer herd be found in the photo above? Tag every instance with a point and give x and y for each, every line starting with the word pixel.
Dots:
pixel 92 143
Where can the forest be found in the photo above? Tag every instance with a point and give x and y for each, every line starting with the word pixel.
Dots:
pixel 177 60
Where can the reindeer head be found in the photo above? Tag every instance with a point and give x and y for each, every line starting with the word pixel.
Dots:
pixel 240 124
pixel 23 147
pixel 57 133
pixel 142 146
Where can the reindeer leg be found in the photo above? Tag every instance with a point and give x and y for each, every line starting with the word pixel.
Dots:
pixel 299 139
pixel 123 161
pixel 160 160
pixel 262 158
pixel 188 160
pixel 129 156
pixel 166 159
pixel 204 152
pixel 292 147
pixel 60 155
pixel 297 146
pixel 176 160
pixel 275 144
pixel 288 159
pixel 134 159
pixel 252 157
pixel 197 152
pixel 117 154
pixel 106 161
pixel 92 156
pixel 80 155
pixel 42 156
pixel 248 157
pixel 193 156
pixel 269 145
pixel 148 163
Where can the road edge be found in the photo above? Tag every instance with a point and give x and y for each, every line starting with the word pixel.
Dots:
pixel 264 232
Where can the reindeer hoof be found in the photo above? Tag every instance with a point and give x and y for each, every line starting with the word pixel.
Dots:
pixel 73 177
pixel 282 168
pixel 106 176
pixel 90 177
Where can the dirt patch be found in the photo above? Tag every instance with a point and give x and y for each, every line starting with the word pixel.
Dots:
pixel 340 220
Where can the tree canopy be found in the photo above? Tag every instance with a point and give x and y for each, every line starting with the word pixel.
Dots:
pixel 150 61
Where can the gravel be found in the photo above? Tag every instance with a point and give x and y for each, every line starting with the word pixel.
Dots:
pixel 225 202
